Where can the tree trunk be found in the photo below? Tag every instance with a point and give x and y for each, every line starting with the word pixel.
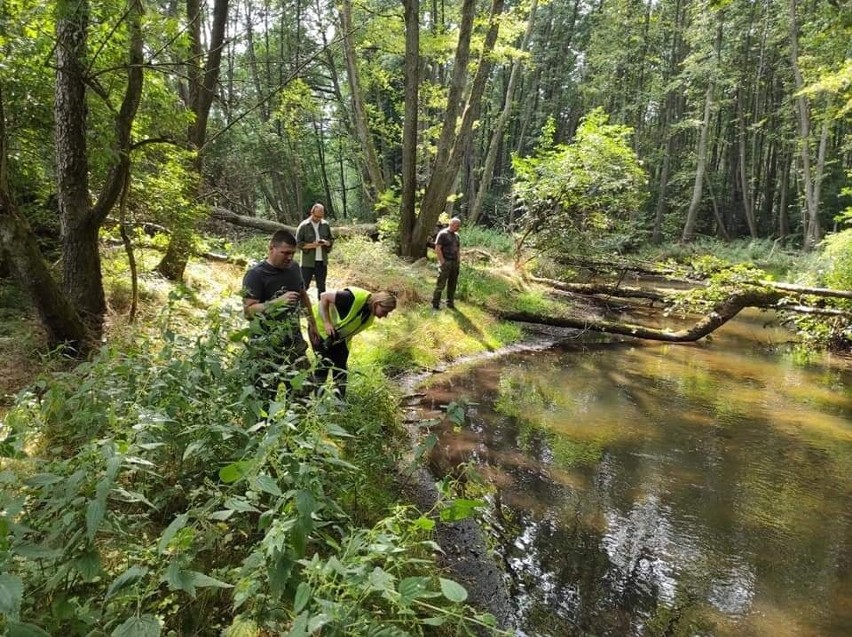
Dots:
pixel 81 264
pixel 202 88
pixel 692 214
pixel 444 174
pixel 721 314
pixel 407 213
pixel 19 248
pixel 359 111
pixel 813 232
pixel 500 125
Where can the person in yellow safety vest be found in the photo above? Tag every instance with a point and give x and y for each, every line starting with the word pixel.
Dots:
pixel 343 314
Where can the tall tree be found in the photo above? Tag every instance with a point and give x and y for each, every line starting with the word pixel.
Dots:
pixel 202 79
pixel 701 150
pixel 500 125
pixel 359 111
pixel 454 134
pixel 407 213
pixel 81 265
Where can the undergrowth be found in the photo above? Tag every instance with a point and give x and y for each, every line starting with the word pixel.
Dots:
pixel 153 491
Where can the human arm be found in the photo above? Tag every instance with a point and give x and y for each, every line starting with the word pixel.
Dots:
pixel 326 301
pixel 313 333
pixel 253 307
pixel 302 238
pixel 439 252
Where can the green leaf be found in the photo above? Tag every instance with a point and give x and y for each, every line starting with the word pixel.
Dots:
pixel 234 471
pixel 303 596
pixel 424 523
pixel 11 593
pixel 128 578
pixel 179 579
pixel 193 448
pixel 453 591
pixel 460 509
pixel 43 479
pixel 240 504
pixel 268 484
pixel 300 626
pixel 36 551
pixel 95 511
pixel 176 525
pixel 434 621
pixel 380 580
pixel 411 588
pixel 142 626
pixel 221 515
pixel 88 565
pixel 19 629
pixel 205 581
pixel 317 622
pixel 337 430
pixel 242 627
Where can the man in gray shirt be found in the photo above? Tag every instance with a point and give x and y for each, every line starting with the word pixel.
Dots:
pixel 448 251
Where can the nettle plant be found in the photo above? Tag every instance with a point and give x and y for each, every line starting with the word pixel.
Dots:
pixel 152 491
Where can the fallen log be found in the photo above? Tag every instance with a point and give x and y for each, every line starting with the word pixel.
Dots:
pixel 625 291
pixel 716 318
pixel 270 226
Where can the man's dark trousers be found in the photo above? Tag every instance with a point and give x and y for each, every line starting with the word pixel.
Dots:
pixel 320 271
pixel 448 276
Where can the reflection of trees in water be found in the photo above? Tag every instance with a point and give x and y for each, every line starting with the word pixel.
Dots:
pixel 688 510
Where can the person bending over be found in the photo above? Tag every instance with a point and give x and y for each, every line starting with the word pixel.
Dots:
pixel 343 314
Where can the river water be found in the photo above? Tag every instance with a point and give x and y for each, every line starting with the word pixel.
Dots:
pixel 656 489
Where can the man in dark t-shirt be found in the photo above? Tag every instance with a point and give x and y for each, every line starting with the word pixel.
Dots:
pixel 273 295
pixel 448 250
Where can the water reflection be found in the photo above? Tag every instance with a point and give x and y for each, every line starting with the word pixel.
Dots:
pixel 647 489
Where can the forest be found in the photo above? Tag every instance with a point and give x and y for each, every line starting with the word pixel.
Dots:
pixel 582 133
pixel 726 119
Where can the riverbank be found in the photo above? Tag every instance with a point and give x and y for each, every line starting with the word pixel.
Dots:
pixel 168 392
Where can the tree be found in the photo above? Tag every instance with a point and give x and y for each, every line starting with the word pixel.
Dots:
pixel 74 312
pixel 454 133
pixel 202 79
pixel 582 195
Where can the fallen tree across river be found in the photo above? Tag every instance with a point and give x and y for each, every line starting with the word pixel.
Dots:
pixel 774 296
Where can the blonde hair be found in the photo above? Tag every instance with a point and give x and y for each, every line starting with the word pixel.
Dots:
pixel 384 299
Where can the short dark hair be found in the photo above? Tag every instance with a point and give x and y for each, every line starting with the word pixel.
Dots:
pixel 282 237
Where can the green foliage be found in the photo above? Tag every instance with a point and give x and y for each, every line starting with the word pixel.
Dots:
pixel 584 195
pixel 495 241
pixel 169 491
pixel 837 249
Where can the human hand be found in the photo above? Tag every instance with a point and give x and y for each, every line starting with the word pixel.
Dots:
pixel 288 298
pixel 329 329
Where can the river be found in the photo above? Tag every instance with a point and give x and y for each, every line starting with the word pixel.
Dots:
pixel 643 488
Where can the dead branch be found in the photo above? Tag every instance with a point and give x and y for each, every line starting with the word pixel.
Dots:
pixel 267 225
